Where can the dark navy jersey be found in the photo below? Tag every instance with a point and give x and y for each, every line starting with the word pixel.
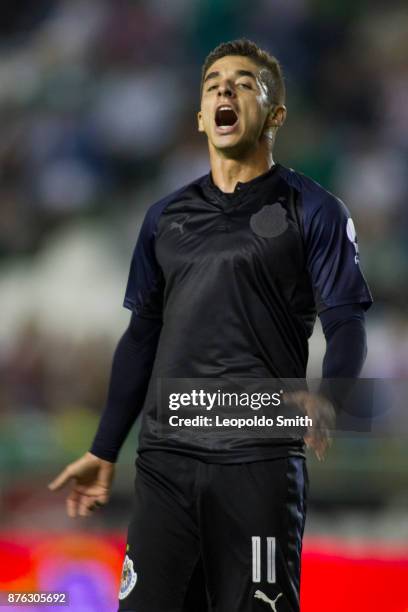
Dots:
pixel 237 280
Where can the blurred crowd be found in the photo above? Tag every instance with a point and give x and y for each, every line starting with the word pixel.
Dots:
pixel 97 120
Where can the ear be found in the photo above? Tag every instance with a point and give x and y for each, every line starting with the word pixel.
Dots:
pixel 200 122
pixel 276 117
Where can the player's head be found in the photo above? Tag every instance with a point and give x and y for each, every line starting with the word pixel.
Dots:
pixel 242 98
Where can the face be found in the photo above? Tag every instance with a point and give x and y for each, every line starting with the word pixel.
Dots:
pixel 234 106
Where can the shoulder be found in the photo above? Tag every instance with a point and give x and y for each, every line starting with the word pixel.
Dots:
pixel 155 210
pixel 315 199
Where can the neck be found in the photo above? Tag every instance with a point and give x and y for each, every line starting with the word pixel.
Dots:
pixel 227 172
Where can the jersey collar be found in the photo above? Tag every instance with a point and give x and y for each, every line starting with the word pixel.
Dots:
pixel 242 190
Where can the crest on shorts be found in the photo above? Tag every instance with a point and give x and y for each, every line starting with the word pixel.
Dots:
pixel 129 578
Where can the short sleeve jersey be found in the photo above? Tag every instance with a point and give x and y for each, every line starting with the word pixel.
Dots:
pixel 237 280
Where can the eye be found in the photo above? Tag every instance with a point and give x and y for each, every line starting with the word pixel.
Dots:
pixel 212 87
pixel 245 85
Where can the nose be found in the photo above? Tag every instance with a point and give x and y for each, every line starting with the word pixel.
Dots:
pixel 225 89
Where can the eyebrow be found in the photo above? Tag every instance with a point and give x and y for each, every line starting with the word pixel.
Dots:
pixel 215 74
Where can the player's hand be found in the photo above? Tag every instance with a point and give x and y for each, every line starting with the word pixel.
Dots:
pixel 323 416
pixel 91 479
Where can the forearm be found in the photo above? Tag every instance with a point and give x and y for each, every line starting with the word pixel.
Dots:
pixel 131 370
pixel 346 350
pixel 346 341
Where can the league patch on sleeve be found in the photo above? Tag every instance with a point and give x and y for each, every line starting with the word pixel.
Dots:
pixel 128 579
pixel 352 236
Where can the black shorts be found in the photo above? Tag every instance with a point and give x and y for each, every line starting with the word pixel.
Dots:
pixel 213 537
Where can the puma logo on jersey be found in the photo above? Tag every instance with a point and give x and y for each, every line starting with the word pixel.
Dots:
pixel 265 598
pixel 178 225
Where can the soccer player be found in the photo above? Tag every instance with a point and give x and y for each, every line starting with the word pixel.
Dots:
pixel 226 279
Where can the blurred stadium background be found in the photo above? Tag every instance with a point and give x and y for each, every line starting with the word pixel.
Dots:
pixel 97 120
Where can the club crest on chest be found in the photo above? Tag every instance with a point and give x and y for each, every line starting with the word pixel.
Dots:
pixel 270 221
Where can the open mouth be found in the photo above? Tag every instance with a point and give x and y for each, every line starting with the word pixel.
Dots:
pixel 225 118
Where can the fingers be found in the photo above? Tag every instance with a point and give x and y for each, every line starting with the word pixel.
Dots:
pixel 321 411
pixel 320 441
pixel 82 505
pixel 79 503
pixel 89 491
pixel 72 503
pixel 61 480
pixel 97 490
pixel 85 508
pixel 88 506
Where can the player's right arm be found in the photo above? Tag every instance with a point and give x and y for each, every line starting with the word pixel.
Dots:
pixel 131 370
pixel 92 474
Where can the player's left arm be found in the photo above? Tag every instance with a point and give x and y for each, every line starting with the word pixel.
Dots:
pixel 341 296
pixel 341 292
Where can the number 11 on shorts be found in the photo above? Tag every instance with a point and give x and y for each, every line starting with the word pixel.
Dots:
pixel 270 559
